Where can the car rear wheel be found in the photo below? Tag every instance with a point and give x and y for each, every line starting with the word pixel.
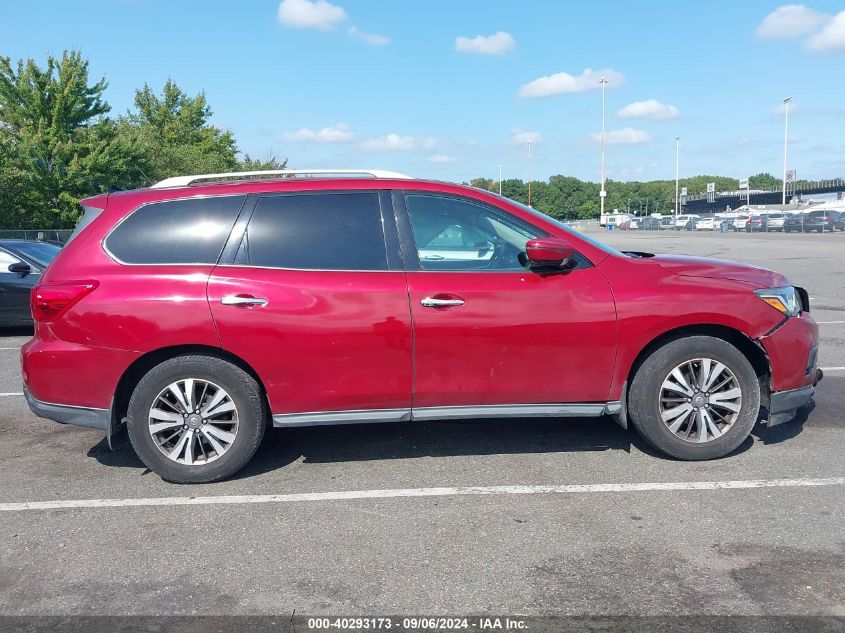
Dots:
pixel 196 419
pixel 695 398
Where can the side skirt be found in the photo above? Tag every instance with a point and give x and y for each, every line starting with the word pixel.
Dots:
pixel 573 410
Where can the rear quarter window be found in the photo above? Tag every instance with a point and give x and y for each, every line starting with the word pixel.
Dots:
pixel 191 231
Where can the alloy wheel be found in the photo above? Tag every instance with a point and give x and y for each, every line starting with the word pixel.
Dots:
pixel 700 400
pixel 193 421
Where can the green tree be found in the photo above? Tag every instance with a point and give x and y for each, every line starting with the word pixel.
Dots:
pixel 174 136
pixel 765 181
pixel 247 163
pixel 57 145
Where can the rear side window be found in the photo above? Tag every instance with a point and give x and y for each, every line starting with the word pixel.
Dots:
pixel 322 231
pixel 176 231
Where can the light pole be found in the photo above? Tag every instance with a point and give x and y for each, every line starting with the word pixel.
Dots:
pixel 529 172
pixel 500 179
pixel 602 193
pixel 785 141
pixel 677 174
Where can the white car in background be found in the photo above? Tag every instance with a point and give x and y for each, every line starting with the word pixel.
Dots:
pixel 776 221
pixel 682 221
pixel 706 224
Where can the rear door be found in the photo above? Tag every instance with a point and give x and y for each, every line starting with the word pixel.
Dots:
pixel 311 293
pixel 487 330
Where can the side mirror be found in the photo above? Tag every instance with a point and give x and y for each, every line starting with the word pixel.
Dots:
pixel 548 252
pixel 22 268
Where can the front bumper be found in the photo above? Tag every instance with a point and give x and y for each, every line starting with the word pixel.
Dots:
pixel 783 405
pixel 65 414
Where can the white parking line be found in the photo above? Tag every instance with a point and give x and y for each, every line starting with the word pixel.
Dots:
pixel 12 393
pixel 348 495
pixel 9 348
pixel 832 368
pixel 828 322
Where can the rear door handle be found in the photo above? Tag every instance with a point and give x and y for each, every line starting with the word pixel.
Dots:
pixel 432 302
pixel 243 300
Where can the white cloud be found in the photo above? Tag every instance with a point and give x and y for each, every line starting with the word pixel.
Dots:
pixel 650 109
pixel 561 83
pixel 311 14
pixel 338 133
pixel 368 38
pixel 625 136
pixel 389 143
pixel 790 20
pixel 831 37
pixel 442 159
pixel 521 137
pixel 429 143
pixel 500 42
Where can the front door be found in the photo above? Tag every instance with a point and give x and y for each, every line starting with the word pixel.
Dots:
pixel 488 331
pixel 317 304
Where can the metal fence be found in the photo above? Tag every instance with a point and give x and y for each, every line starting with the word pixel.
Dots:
pixel 41 235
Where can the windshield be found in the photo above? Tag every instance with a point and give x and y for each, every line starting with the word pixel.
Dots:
pixel 40 253
pixel 568 229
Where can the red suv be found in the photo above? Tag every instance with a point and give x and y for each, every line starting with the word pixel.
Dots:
pixel 204 308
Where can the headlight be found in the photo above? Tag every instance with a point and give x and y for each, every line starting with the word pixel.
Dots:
pixel 784 300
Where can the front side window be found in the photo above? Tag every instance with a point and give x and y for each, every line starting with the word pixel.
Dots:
pixel 191 231
pixel 457 234
pixel 316 231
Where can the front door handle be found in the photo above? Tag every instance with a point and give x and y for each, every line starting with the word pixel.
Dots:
pixel 433 302
pixel 243 300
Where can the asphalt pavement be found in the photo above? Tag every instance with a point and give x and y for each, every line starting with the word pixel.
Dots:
pixel 531 517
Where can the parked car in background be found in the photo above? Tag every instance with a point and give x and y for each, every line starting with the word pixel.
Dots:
pixel 650 224
pixel 706 224
pixel 741 221
pixel 776 221
pixel 794 223
pixel 821 221
pixel 683 222
pixel 727 224
pixel 205 308
pixel 21 265
pixel 839 220
pixel 757 223
pixel 667 222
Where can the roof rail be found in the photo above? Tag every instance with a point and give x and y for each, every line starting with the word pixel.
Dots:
pixel 184 181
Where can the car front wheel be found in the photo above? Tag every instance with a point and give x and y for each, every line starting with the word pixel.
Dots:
pixel 695 398
pixel 196 419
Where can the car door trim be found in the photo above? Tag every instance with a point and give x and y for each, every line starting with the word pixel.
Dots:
pixel 366 416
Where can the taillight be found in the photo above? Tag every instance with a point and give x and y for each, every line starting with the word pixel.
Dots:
pixel 51 300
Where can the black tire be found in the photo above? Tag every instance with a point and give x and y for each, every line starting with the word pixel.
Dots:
pixel 244 392
pixel 644 397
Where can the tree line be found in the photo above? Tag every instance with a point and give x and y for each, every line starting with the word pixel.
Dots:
pixel 567 197
pixel 59 143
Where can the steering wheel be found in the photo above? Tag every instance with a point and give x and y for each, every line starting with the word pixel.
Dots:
pixel 504 254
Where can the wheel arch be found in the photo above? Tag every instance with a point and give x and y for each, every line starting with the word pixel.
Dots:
pixel 140 366
pixel 749 348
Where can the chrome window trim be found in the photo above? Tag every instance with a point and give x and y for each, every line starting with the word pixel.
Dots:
pixel 307 270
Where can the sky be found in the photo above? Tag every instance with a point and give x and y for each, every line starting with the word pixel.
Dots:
pixel 452 89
